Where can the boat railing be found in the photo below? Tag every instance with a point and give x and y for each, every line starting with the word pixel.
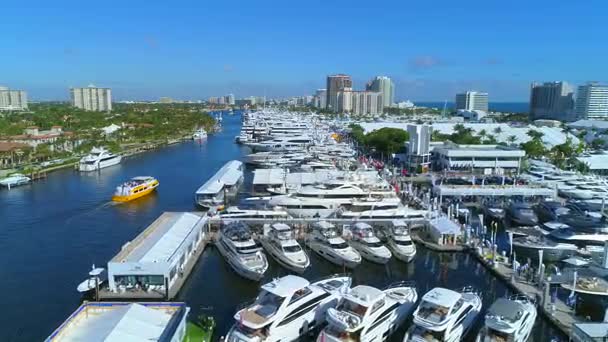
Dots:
pixel 401 283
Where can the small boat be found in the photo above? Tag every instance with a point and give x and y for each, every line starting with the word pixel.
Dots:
pixel 15 179
pixel 135 188
pixel 234 242
pixel 278 240
pixel 509 319
pixel 98 159
pixel 367 243
pixel 327 242
pixel 400 242
pixel 93 280
pixel 368 314
pixel 199 134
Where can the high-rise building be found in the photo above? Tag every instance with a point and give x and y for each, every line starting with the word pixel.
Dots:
pixel 385 86
pixel 419 151
pixel 552 100
pixel 92 98
pixel 336 84
pixel 230 99
pixel 592 101
pixel 320 100
pixel 12 99
pixel 363 102
pixel 472 100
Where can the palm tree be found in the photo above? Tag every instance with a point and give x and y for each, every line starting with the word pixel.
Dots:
pixel 482 133
pixel 511 139
pixel 498 130
pixel 534 134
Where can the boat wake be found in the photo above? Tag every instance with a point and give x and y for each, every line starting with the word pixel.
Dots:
pixel 91 210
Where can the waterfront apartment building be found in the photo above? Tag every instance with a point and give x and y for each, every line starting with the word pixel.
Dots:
pixel 592 101
pixel 229 99
pixel 366 103
pixel 320 100
pixel 385 86
pixel 92 98
pixel 12 100
pixel 336 84
pixel 552 100
pixel 472 100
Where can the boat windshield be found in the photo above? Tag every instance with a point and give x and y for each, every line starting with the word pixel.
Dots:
pixel 339 245
pixel 292 249
pixel 269 300
pixel 352 307
pixel 247 250
pixel 403 242
pixel 373 244
pixel 433 312
pixel 497 335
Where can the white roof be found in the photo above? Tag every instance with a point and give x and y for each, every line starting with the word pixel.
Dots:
pixel 229 174
pixel 112 322
pixel 441 296
pixel 595 161
pixel 268 176
pixel 161 239
pixel 280 227
pixel 551 135
pixel 445 226
pixel 286 286
pixel 364 294
pixel 453 150
pixel 593 330
pixel 586 124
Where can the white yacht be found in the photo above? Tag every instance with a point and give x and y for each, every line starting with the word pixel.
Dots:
pixel 369 314
pixel 281 144
pixel 234 242
pixel 329 244
pixel 199 134
pixel 235 213
pixel 95 279
pixel 365 241
pixel 444 315
pixel 305 207
pixel 99 158
pixel 287 308
pixel 509 319
pixel 15 179
pixel 279 242
pixel 400 242
pixel 381 208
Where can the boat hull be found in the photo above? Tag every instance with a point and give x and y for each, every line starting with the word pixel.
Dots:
pixel 282 260
pixel 238 268
pixel 333 257
pixel 83 167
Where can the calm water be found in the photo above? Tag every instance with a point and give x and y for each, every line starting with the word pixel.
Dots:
pixel 52 231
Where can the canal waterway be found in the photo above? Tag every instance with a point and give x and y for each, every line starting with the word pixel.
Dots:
pixel 52 231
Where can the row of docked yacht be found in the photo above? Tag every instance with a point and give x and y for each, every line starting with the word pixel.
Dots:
pixel 292 308
pixel 237 245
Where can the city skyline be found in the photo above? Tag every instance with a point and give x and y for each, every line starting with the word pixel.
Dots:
pixel 200 51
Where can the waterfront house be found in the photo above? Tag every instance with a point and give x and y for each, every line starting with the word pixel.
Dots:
pixel 121 321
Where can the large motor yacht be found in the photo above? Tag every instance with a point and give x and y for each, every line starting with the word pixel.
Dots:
pixel 15 179
pixel 99 158
pixel 365 241
pixel 528 247
pixel 444 315
pixel 369 314
pixel 234 242
pixel 282 144
pixel 287 309
pixel 329 244
pixel 381 208
pixel 509 319
pixel 236 213
pixel 400 242
pixel 199 134
pixel 279 242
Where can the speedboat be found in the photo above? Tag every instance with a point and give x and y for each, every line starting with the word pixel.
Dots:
pixel 279 242
pixel 234 242
pixel 326 242
pixel 98 159
pixel 15 179
pixel 365 241
pixel 287 309
pixel 509 319
pixel 199 134
pixel 522 213
pixel 444 315
pixel 135 188
pixel 400 242
pixel 369 314
pixel 95 279
pixel 494 210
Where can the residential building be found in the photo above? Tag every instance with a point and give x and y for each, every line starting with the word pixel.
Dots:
pixel 451 156
pixel 320 100
pixel 343 101
pixel 552 100
pixel 12 99
pixel 229 99
pixel 33 136
pixel 11 154
pixel 124 321
pixel 418 151
pixel 365 102
pixel 385 86
pixel 92 98
pixel 592 101
pixel 335 85
pixel 472 100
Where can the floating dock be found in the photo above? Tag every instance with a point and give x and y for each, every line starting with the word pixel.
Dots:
pixel 157 262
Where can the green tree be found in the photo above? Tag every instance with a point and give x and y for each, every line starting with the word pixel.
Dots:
pixel 497 130
pixel 534 148
pixel 387 140
pixel 511 139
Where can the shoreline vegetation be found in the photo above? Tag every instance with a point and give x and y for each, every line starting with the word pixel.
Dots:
pixel 53 136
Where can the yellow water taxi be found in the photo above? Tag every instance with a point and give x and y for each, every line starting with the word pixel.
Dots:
pixel 135 188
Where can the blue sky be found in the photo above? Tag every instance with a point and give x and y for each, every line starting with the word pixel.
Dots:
pixel 194 49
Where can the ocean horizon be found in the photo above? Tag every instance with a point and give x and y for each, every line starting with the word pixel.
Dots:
pixel 514 107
